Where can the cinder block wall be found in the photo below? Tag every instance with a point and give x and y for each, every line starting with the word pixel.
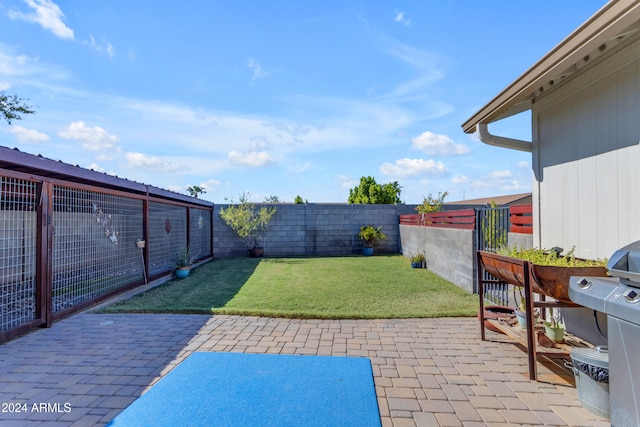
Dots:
pixel 316 229
pixel 520 241
pixel 449 252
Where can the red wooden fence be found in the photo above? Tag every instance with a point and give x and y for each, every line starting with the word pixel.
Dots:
pixel 464 219
pixel 520 219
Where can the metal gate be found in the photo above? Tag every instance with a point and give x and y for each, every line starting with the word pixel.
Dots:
pixel 492 233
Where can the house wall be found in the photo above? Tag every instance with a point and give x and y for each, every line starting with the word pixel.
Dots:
pixel 586 158
pixel 316 229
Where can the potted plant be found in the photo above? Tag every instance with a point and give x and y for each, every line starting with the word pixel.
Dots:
pixel 182 262
pixel 554 330
pixel 417 260
pixel 248 222
pixel 370 235
pixel 521 314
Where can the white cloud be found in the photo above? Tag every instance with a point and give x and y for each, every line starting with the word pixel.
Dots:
pixel 95 167
pixel 30 71
pixel 438 145
pixel 345 181
pixel 514 185
pixel 4 85
pixel 402 19
pixel 260 144
pixel 47 14
pixel 413 167
pixel 28 135
pixel 460 179
pixel 256 68
pixel 94 139
pixel 523 165
pixel 427 63
pixel 500 174
pixel 254 159
pixel 139 160
pixel 103 46
pixel 210 183
pixel 299 168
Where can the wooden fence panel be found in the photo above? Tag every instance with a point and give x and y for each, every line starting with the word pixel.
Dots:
pixel 463 219
pixel 520 219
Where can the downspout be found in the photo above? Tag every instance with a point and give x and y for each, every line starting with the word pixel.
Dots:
pixel 501 141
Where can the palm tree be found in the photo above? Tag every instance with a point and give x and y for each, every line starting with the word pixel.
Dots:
pixel 194 190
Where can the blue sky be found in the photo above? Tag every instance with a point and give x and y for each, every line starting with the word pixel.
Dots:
pixel 277 98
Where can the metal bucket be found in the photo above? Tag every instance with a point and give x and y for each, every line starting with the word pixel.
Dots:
pixel 591 370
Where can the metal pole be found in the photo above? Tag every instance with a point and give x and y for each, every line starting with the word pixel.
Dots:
pixel 140 244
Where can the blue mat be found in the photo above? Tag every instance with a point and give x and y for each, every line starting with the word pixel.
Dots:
pixel 237 389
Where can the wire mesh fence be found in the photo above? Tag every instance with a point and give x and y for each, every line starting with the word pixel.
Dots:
pixel 18 203
pixel 200 232
pixel 67 245
pixel 167 234
pixel 94 250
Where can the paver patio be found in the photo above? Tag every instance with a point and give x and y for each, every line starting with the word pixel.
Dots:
pixel 428 372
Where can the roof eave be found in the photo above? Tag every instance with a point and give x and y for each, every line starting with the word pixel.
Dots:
pixel 607 23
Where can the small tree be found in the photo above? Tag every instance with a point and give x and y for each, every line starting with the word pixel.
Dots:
pixel 430 205
pixel 247 221
pixel 272 199
pixel 370 192
pixel 298 201
pixel 11 107
pixel 194 190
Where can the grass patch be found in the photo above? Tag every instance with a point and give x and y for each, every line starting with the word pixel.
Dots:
pixel 332 287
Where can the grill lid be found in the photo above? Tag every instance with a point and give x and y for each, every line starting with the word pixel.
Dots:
pixel 625 263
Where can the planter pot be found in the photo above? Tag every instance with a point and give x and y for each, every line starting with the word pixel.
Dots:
pixel 182 272
pixel 256 252
pixel 367 251
pixel 522 318
pixel 554 334
pixel 416 265
pixel 554 281
pixel 549 280
pixel 510 270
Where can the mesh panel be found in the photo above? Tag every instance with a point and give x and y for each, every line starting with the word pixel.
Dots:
pixel 167 234
pixel 17 252
pixel 94 250
pixel 200 232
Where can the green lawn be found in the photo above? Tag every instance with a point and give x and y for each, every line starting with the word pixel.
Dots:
pixel 354 287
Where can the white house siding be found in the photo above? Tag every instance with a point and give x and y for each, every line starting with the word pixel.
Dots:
pixel 586 158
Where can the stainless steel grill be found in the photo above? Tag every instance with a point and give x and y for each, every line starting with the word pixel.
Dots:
pixel 618 297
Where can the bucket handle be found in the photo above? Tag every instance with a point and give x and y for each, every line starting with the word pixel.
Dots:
pixel 569 365
pixel 602 349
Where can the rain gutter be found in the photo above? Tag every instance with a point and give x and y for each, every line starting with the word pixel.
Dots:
pixel 501 141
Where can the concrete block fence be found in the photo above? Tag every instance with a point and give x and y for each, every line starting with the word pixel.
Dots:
pixel 316 229
pixel 450 253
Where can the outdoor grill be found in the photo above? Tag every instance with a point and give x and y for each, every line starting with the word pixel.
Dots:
pixel 618 296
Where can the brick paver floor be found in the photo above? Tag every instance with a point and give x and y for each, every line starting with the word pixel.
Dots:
pixel 428 372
